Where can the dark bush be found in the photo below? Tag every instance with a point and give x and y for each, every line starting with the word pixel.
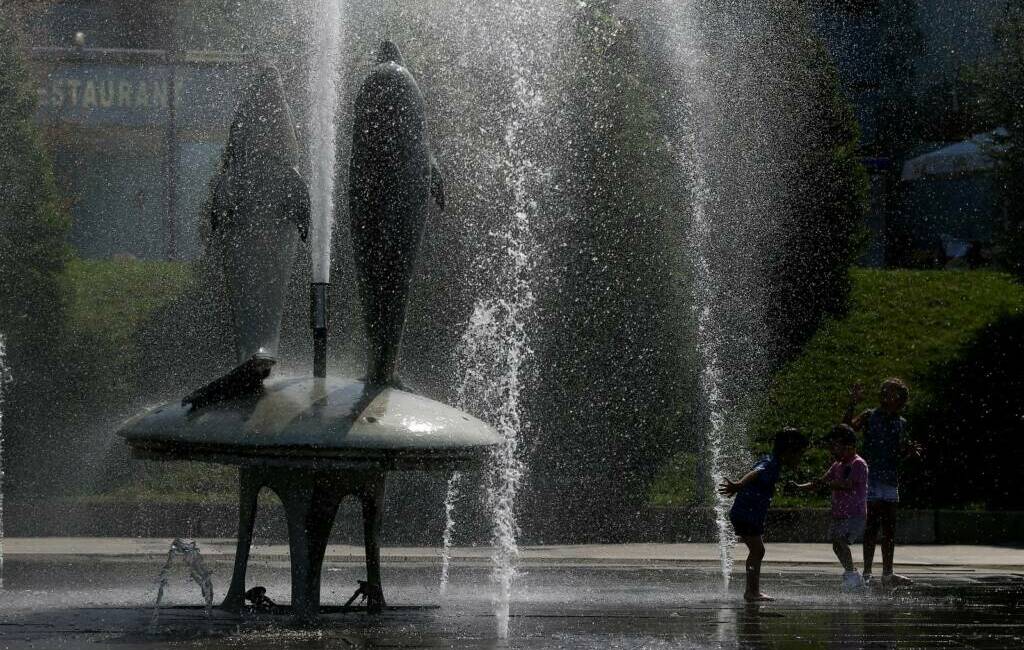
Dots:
pixel 972 429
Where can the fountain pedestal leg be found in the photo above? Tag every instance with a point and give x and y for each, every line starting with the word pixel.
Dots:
pixel 311 500
pixel 373 506
pixel 249 485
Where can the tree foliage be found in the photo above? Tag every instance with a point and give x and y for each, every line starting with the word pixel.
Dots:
pixel 826 188
pixel 1002 104
pixel 33 253
pixel 33 224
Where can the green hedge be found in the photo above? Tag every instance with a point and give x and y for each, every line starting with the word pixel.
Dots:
pixel 33 228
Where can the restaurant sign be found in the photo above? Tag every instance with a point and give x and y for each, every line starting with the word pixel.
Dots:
pixel 135 95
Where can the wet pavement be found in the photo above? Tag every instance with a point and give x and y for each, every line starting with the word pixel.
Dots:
pixel 95 601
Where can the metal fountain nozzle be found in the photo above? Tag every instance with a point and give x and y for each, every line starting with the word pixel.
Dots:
pixel 319 319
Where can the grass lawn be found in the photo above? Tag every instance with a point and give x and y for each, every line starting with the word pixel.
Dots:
pixel 109 298
pixel 901 323
pixel 107 302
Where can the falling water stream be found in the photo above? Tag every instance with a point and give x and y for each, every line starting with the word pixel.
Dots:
pixel 720 118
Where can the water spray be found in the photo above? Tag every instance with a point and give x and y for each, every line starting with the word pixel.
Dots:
pixel 451 496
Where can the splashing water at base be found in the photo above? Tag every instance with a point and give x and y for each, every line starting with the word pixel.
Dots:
pixel 188 551
pixel 492 353
pixel 450 497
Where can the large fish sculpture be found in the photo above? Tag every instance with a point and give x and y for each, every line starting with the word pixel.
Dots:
pixel 258 210
pixel 392 177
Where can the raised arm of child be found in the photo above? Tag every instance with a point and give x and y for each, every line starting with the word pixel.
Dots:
pixel 855 421
pixel 728 488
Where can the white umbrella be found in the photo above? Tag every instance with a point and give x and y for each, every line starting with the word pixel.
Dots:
pixel 967 157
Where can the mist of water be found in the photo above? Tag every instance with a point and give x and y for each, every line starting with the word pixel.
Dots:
pixel 324 90
pixel 187 550
pixel 506 162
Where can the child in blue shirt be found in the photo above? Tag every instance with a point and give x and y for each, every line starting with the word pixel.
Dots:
pixel 753 496
pixel 885 443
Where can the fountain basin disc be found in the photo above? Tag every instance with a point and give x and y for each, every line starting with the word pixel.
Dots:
pixel 315 423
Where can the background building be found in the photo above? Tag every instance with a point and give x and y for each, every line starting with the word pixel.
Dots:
pixel 905 65
pixel 134 167
pixel 135 103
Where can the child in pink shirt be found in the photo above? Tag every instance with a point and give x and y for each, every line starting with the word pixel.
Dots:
pixel 848 480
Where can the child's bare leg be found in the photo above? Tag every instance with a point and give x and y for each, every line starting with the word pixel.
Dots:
pixel 842 550
pixel 870 535
pixel 888 524
pixel 755 547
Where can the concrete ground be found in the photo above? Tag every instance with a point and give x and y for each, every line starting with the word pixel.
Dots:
pixel 93 593
pixel 988 557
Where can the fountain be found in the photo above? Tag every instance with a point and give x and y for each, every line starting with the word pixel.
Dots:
pixel 323 91
pixel 578 323
pixel 314 440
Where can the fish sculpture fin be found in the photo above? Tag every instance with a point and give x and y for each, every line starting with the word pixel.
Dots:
pixel 436 183
pixel 242 380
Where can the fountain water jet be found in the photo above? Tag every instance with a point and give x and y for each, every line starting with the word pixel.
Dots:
pixel 5 377
pixel 726 133
pixel 493 351
pixel 323 98
pixel 188 551
pixel 450 497
pixel 324 91
pixel 521 40
pixel 708 337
